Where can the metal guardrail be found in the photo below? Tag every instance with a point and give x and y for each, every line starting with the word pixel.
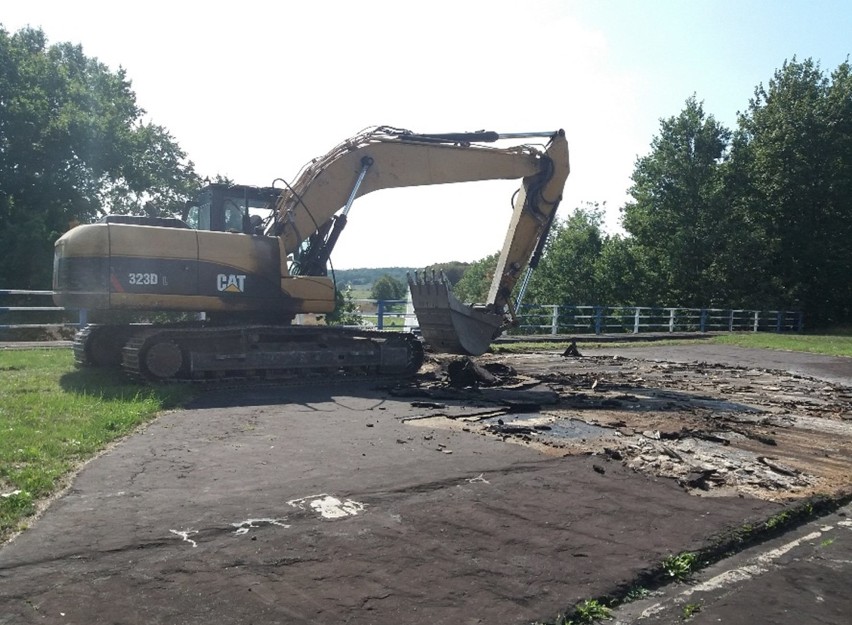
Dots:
pixel 379 312
pixel 533 319
pixel 553 319
pixel 35 311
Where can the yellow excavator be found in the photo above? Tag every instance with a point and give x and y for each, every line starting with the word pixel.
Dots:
pixel 253 258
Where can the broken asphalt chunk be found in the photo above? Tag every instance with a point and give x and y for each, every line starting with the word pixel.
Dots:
pixel 572 351
pixel 464 372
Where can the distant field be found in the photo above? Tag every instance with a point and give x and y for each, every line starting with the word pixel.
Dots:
pixel 360 292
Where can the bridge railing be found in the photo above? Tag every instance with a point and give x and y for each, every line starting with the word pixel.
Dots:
pixel 555 319
pixel 34 309
pixel 20 308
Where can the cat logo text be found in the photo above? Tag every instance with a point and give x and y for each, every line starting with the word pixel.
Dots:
pixel 231 283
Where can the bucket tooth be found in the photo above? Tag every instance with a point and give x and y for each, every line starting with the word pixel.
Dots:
pixel 448 325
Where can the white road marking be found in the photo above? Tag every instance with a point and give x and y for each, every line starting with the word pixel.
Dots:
pixel 185 535
pixel 328 506
pixel 758 566
pixel 754 567
pixel 249 524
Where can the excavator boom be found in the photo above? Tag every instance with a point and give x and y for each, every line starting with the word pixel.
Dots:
pixel 386 158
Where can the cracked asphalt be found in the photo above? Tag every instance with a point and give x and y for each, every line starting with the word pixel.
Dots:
pixel 314 505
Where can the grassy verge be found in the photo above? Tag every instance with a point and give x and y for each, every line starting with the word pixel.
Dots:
pixel 533 346
pixel 831 345
pixel 826 344
pixel 53 417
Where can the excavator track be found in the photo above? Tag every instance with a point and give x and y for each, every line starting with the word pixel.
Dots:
pixel 100 345
pixel 258 353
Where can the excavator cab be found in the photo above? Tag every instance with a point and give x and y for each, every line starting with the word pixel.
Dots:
pixel 230 208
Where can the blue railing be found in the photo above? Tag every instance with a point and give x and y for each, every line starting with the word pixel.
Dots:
pixel 552 319
pixel 533 319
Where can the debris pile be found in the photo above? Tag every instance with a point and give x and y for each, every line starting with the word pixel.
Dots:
pixel 715 429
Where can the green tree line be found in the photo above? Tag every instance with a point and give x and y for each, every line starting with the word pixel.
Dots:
pixel 759 216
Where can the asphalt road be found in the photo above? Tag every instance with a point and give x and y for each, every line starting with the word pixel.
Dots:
pixel 798 578
pixel 831 369
pixel 318 506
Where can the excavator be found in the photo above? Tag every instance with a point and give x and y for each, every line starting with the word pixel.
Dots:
pixel 247 261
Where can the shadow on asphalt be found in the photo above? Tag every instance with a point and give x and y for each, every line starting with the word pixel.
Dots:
pixel 115 385
pixel 213 397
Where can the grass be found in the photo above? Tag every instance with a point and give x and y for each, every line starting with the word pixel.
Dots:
pixel 690 610
pixel 520 347
pixel 839 344
pixel 777 520
pixel 636 593
pixel 387 322
pixel 827 344
pixel 591 610
pixel 680 566
pixel 53 417
pixel 585 613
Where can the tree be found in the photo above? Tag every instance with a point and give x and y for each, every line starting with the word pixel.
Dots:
pixel 73 146
pixel 475 282
pixel 566 273
pixel 619 278
pixel 346 311
pixel 794 152
pixel 453 270
pixel 677 216
pixel 388 288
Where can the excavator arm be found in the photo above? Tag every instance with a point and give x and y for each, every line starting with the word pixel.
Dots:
pixel 451 326
pixel 309 219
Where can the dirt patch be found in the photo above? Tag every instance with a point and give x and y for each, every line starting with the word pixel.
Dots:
pixel 716 429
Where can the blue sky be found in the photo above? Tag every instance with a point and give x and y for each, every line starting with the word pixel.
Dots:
pixel 253 90
pixel 720 50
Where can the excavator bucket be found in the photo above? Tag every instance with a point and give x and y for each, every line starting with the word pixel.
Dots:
pixel 448 325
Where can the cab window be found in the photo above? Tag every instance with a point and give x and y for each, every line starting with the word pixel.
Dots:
pixel 233 217
pixel 198 215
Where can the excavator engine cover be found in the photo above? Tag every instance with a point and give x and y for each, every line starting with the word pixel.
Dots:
pixel 447 324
